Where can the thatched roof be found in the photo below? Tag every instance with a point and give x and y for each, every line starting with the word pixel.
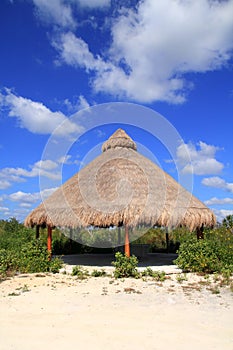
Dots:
pixel 121 187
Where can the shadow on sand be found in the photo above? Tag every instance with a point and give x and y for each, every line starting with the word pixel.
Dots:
pixel 152 259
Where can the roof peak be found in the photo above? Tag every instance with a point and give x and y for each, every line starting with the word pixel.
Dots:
pixel 119 139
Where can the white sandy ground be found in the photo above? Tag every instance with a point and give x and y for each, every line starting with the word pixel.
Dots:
pixel 61 312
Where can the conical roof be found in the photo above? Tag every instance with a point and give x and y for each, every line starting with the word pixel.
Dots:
pixel 119 139
pixel 119 187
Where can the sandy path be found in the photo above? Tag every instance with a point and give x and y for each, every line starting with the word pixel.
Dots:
pixel 59 311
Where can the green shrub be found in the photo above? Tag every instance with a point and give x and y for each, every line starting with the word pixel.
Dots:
pixel 8 262
pixel 159 276
pixel 21 252
pixel 125 266
pixel 13 234
pixel 32 257
pixel 205 255
pixel 98 273
pixel 80 272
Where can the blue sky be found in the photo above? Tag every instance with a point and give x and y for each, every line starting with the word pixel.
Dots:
pixel 60 58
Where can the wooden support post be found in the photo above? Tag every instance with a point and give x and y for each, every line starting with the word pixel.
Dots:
pixel 37 231
pixel 127 247
pixel 119 236
pixel 167 239
pixel 49 241
pixel 71 240
pixel 200 232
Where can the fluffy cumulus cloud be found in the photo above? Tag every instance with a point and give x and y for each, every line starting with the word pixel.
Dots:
pixel 27 199
pixel 153 46
pixel 47 168
pixel 75 51
pixel 218 182
pixel 55 11
pixel 36 117
pixel 198 159
pixel 21 203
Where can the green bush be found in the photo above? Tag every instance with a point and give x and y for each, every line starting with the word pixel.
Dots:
pixel 158 276
pixel 21 252
pixel 98 273
pixel 125 266
pixel 211 254
pixel 80 272
pixel 32 257
pixel 8 262
pixel 13 234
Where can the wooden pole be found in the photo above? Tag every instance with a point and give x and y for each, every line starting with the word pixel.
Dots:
pixel 200 232
pixel 167 239
pixel 37 231
pixel 49 241
pixel 127 247
pixel 119 236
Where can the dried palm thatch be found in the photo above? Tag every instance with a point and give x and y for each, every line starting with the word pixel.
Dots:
pixel 121 187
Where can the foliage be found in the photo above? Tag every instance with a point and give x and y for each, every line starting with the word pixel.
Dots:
pixel 228 222
pixel 13 234
pixel 21 252
pixel 93 237
pixel 33 257
pixel 125 266
pixel 98 273
pixel 80 272
pixel 156 237
pixel 212 254
pixel 159 276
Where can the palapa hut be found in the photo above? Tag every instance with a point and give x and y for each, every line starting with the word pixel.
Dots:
pixel 120 188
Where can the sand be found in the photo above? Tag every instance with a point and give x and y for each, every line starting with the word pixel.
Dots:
pixel 40 311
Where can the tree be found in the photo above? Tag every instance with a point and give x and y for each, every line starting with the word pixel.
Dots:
pixel 228 222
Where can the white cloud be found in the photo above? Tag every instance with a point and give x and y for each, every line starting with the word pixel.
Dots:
pixel 50 169
pixel 24 197
pixel 46 168
pixel 198 160
pixel 25 205
pixel 55 12
pixel 4 209
pixel 44 165
pixel 36 117
pixel 75 51
pixel 30 198
pixel 154 46
pixel 80 103
pixel 25 201
pixel 4 183
pixel 16 174
pixel 218 182
pixel 62 12
pixel 222 213
pixel 217 201
pixel 65 159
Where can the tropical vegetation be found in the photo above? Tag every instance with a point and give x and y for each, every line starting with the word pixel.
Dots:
pixel 21 252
